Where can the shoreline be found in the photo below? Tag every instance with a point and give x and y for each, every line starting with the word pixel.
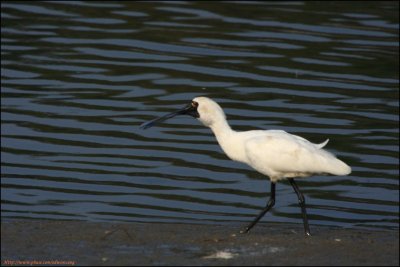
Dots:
pixel 66 243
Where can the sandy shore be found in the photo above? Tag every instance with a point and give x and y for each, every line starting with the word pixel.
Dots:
pixel 87 243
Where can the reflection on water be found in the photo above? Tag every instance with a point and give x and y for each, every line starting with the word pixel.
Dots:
pixel 78 78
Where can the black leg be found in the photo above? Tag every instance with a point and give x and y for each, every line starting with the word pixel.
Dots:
pixel 270 204
pixel 302 203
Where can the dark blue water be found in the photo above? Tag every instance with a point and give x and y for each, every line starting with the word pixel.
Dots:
pixel 78 79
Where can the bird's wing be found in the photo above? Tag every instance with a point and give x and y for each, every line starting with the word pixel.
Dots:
pixel 321 145
pixel 283 153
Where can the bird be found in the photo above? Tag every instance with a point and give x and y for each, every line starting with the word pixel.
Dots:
pixel 274 153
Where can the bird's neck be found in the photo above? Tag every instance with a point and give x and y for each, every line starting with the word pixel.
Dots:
pixel 228 140
pixel 221 129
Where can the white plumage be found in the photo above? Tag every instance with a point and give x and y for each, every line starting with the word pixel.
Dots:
pixel 274 153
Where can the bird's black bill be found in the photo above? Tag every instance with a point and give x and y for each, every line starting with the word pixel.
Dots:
pixel 190 109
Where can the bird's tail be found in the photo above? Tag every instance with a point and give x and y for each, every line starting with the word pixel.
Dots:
pixel 340 168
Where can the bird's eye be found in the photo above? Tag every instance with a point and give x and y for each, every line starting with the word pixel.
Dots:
pixel 195 104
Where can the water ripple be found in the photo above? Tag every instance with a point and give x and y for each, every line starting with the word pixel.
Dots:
pixel 79 78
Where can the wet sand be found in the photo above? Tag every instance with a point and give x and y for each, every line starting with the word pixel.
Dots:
pixel 39 242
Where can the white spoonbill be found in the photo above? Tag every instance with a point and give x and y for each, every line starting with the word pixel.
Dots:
pixel 274 153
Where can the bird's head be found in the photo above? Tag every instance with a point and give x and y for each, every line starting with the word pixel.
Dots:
pixel 203 108
pixel 209 111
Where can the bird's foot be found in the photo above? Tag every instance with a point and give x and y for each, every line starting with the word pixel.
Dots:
pixel 245 231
